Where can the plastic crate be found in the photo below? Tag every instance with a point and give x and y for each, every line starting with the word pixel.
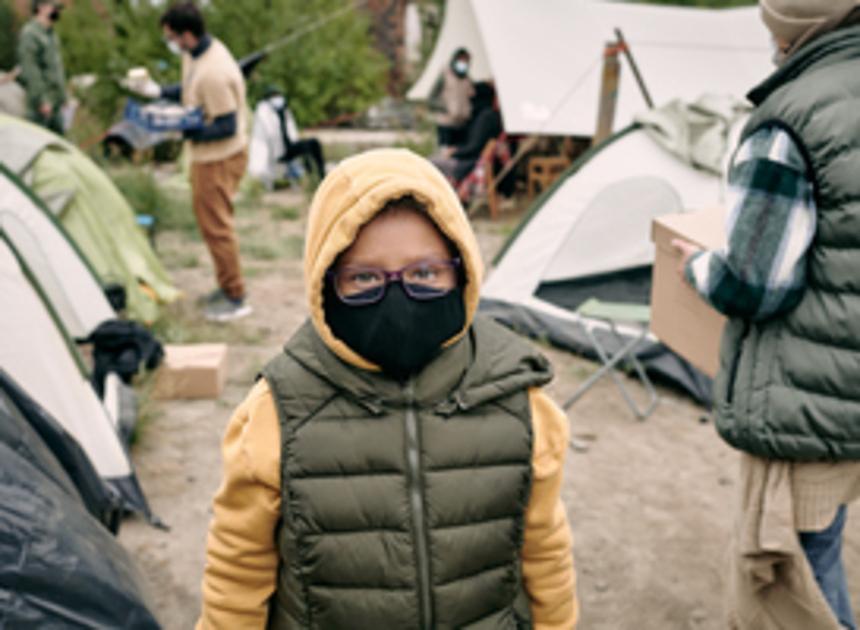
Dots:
pixel 164 116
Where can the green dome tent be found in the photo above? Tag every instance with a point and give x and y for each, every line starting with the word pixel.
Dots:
pixel 92 210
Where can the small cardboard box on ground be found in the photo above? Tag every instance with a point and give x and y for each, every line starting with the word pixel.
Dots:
pixel 192 371
pixel 679 317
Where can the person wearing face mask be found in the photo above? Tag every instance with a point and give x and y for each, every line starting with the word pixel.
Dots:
pixel 452 96
pixel 397 464
pixel 211 81
pixel 787 392
pixel 41 66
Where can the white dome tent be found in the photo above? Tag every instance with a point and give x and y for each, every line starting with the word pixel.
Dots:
pixel 38 354
pixel 588 236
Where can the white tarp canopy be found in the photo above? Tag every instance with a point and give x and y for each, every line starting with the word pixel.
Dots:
pixel 546 56
pixel 459 29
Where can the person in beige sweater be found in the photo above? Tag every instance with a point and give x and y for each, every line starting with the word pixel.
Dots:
pixel 398 465
pixel 213 82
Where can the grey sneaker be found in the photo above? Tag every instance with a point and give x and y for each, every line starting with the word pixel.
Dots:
pixel 225 309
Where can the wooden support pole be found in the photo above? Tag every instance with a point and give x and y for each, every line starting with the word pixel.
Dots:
pixel 622 44
pixel 608 93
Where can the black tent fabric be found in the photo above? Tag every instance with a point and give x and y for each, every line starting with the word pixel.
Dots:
pixel 29 430
pixel 661 363
pixel 60 567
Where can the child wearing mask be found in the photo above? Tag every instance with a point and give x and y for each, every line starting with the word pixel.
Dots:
pixel 397 465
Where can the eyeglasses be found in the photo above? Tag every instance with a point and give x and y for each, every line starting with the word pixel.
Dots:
pixel 423 280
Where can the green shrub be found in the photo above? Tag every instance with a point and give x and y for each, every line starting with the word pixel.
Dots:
pixel 332 70
pixel 9 25
pixel 172 211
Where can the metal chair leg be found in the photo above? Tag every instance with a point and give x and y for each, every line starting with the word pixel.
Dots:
pixel 609 363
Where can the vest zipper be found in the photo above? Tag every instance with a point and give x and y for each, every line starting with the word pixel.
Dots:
pixel 416 500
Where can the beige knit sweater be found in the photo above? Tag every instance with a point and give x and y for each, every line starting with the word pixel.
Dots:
pixel 771 585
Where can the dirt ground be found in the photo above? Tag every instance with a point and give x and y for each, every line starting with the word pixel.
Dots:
pixel 650 503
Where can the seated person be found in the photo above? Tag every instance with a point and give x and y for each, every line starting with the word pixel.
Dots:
pixel 452 96
pixel 485 124
pixel 276 136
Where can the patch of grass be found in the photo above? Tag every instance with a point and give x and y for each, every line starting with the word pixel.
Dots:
pixel 148 409
pixel 268 249
pixel 248 231
pixel 260 250
pixel 506 227
pixel 338 151
pixel 285 213
pixel 253 272
pixel 294 246
pixel 581 372
pixel 182 322
pixel 172 210
pixel 251 194
pixel 425 146
pixel 174 259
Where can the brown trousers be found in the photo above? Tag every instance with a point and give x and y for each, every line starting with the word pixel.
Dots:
pixel 213 185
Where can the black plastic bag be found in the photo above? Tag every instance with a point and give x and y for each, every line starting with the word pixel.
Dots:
pixel 122 347
pixel 59 567
pixel 32 432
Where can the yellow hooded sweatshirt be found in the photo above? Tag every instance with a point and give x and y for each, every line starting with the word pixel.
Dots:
pixel 241 555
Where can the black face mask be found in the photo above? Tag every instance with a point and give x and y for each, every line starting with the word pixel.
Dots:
pixel 399 334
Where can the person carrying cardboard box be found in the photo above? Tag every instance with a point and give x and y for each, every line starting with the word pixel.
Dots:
pixel 787 394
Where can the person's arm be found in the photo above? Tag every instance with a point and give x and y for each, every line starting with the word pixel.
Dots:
pixel 221 108
pixel 172 92
pixel 220 128
pixel 772 221
pixel 241 553
pixel 547 553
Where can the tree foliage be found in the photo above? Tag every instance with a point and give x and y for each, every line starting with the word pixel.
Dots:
pixel 331 70
pixel 8 35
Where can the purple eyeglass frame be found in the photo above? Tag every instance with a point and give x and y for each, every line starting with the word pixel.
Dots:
pixel 393 276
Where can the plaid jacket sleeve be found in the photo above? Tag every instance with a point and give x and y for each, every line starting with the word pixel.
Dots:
pixel 772 218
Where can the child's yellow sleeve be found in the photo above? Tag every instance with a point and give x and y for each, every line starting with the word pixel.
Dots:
pixel 547 554
pixel 241 552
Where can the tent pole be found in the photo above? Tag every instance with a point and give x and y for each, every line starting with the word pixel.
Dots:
pixel 622 44
pixel 608 93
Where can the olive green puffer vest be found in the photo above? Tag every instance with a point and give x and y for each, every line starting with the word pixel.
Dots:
pixel 789 388
pixel 403 505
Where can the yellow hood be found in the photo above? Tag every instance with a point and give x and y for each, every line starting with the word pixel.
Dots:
pixel 351 195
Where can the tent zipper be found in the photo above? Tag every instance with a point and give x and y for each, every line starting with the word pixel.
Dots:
pixel 416 500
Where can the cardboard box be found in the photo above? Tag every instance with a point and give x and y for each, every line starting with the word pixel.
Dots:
pixel 679 317
pixel 192 371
